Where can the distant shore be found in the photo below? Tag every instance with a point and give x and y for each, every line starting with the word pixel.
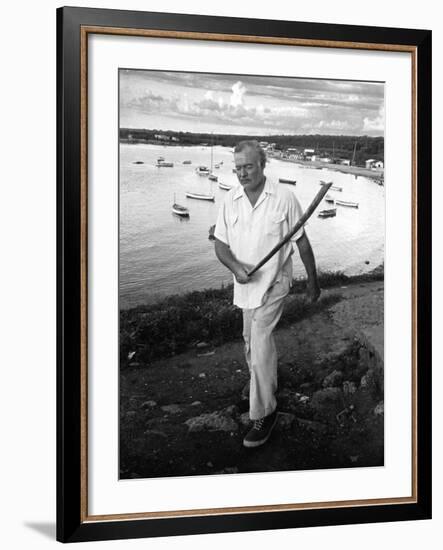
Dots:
pixel 356 170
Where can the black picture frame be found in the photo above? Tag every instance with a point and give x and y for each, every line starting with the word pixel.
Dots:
pixel 73 523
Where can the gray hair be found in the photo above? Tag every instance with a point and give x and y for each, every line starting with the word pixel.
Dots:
pixel 255 146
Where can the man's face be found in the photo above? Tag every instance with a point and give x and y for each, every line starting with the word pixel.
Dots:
pixel 249 170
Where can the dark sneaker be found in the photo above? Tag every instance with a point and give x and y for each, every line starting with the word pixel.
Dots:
pixel 260 431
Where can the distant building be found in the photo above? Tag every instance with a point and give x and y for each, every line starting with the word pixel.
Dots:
pixel 325 159
pixel 308 153
pixel 379 164
pixel 370 163
pixel 345 162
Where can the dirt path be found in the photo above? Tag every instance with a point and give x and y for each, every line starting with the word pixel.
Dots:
pixel 184 415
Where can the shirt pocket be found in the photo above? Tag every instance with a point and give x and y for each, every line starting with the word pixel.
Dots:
pixel 275 224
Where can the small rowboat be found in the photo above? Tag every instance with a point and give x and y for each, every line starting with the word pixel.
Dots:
pixel 180 210
pixel 224 186
pixel 187 162
pixel 200 196
pixel 212 177
pixel 138 162
pixel 328 213
pixel 333 187
pixel 347 203
pixel 160 159
pixel 328 198
pixel 202 170
pixel 165 164
pixel 284 180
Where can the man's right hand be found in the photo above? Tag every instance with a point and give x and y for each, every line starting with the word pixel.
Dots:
pixel 241 274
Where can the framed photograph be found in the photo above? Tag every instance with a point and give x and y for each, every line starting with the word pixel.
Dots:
pixel 244 244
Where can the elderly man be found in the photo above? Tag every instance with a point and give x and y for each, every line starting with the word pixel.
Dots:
pixel 254 217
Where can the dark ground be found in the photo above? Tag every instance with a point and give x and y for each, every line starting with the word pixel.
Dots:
pixel 183 415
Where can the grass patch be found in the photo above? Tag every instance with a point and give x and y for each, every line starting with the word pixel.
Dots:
pixel 179 322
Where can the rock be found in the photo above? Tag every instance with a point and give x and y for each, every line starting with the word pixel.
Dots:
pixel 349 388
pixel 171 409
pixel 201 345
pixel 285 420
pixel 288 399
pixel 306 386
pixel 335 378
pixel 244 419
pixel 131 414
pixel 354 458
pixel 304 399
pixel 327 404
pixel 148 405
pixel 379 409
pixel 196 403
pixel 215 421
pixel 368 383
pixel 232 410
pixel 206 354
pixel 202 375
pixel 209 464
pixel 131 355
pixel 135 365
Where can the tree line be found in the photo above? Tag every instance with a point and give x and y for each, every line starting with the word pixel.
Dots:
pixel 360 148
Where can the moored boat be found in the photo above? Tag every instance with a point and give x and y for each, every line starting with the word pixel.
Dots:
pixel 224 186
pixel 202 170
pixel 163 164
pixel 138 162
pixel 212 177
pixel 327 213
pixel 284 180
pixel 180 210
pixel 200 196
pixel 187 162
pixel 328 198
pixel 160 159
pixel 347 203
pixel 333 187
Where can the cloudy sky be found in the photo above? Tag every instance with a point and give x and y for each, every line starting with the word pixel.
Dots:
pixel 241 104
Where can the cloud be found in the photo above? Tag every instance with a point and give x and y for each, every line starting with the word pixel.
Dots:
pixel 238 91
pixel 376 124
pixel 280 104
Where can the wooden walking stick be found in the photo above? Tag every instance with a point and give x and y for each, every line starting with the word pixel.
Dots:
pixel 303 219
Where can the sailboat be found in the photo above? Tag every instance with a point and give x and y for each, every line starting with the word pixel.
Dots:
pixel 180 210
pixel 203 171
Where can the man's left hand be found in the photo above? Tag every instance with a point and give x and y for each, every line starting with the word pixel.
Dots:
pixel 313 291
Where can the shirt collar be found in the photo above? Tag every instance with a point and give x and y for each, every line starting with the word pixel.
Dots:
pixel 269 189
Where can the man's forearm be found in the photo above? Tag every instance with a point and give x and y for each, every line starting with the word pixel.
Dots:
pixel 307 257
pixel 225 255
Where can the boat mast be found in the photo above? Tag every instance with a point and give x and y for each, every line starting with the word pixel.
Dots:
pixel 353 154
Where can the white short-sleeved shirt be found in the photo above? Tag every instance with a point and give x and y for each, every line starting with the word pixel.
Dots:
pixel 251 232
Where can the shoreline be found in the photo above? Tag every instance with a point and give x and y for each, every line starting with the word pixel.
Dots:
pixel 178 322
pixel 316 165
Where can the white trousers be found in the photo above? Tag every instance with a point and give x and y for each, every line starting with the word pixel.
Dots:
pixel 260 350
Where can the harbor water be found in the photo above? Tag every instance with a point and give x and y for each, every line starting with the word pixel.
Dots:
pixel 163 254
